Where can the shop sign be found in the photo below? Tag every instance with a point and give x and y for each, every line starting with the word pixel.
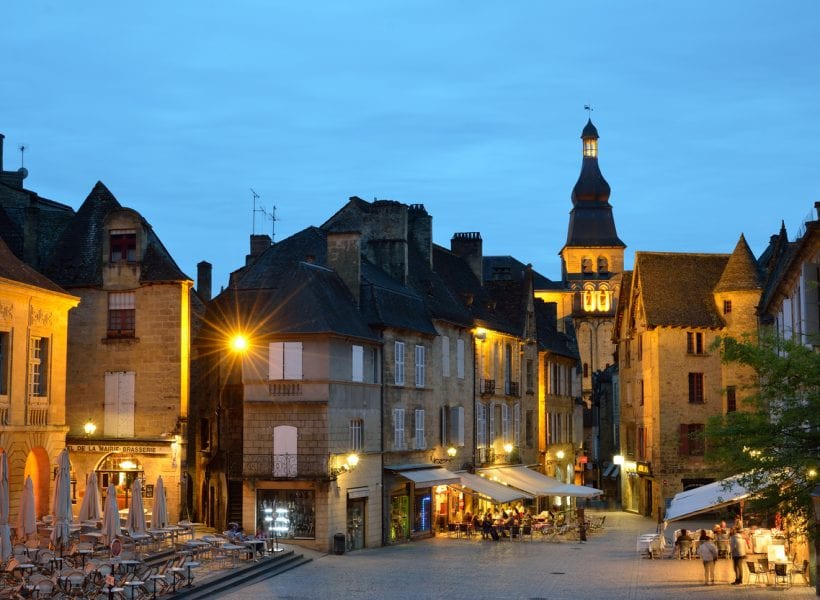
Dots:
pixel 583 459
pixel 123 448
pixel 643 468
pixel 361 492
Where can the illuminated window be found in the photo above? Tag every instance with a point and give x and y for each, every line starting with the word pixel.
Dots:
pixel 590 148
pixel 38 367
pixel 696 388
pixel 603 300
pixel 589 301
pixel 121 314
pixel 123 244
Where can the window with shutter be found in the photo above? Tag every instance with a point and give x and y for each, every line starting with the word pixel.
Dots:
pixel 358 363
pixel 517 424
pixel 420 442
pixel 285 451
pixel 398 429
pixel 118 420
pixel 419 366
pixel 285 361
pixel 481 425
pixel 456 426
pixel 445 356
pixel 460 358
pixel 399 363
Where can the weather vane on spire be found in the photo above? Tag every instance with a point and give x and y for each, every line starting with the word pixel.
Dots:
pixel 588 108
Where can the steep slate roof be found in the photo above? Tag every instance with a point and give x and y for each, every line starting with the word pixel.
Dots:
pixel 741 272
pixel 15 269
pixel 77 258
pixel 497 266
pixel 439 299
pixel 387 303
pixel 272 265
pixel 677 288
pixel 549 338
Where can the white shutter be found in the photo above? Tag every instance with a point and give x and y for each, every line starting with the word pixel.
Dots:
pixel 420 442
pixel 517 424
pixel 111 419
pixel 491 438
pixel 445 356
pixel 505 423
pixel 276 361
pixel 398 429
pixel 119 404
pixel 460 358
pixel 358 363
pixel 457 426
pixel 399 362
pixel 444 427
pixel 419 366
pixel 293 360
pixel 481 426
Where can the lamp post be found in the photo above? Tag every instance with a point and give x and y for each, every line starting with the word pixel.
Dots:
pixel 89 428
pixel 815 501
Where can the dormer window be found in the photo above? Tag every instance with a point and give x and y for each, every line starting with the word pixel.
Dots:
pixel 590 148
pixel 123 243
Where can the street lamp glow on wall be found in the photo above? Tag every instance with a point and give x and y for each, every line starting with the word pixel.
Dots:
pixel 89 428
pixel 239 343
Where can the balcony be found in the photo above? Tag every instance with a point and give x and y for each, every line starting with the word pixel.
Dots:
pixel 486 455
pixel 512 388
pixel 278 466
pixel 37 411
pixel 278 389
pixel 487 387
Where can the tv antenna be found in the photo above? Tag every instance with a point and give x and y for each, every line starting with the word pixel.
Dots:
pixel 258 208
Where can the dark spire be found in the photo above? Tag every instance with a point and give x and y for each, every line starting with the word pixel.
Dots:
pixel 591 222
pixel 741 272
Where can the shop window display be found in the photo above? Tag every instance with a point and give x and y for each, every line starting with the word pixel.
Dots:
pixel 301 507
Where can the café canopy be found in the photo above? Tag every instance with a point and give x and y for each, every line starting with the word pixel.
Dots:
pixel 706 498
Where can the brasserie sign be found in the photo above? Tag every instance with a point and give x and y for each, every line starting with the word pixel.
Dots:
pixel 136 449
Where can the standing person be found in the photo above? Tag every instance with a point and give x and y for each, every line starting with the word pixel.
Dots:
pixel 737 546
pixel 708 554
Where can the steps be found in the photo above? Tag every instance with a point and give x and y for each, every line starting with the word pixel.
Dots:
pixel 231 579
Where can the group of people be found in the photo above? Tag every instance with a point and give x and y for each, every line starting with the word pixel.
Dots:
pixel 499 524
pixel 708 551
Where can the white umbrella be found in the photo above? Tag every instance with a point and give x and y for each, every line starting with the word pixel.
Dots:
pixel 5 535
pixel 61 505
pixel 27 520
pixel 159 518
pixel 111 517
pixel 91 509
pixel 136 512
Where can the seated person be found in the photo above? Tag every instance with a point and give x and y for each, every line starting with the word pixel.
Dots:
pixel 683 543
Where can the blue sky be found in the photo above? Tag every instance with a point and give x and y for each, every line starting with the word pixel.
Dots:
pixel 709 114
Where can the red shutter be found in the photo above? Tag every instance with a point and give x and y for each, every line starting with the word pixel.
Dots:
pixel 684 439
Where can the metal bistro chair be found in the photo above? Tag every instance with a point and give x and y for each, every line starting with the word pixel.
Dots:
pixel 801 571
pixel 756 571
pixel 781 574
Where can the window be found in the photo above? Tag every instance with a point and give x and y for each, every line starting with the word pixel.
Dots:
pixel 445 356
pixel 528 374
pixel 398 429
pixel 285 361
pixel 731 399
pixel 285 448
pixel 204 434
pixel 506 425
pixel 419 366
pixel 481 425
pixel 358 363
pixel 38 367
pixel 727 307
pixel 456 426
pixel 640 347
pixel 586 265
pixel 123 244
pixel 586 370
pixel 517 424
pixel 694 342
pixel 589 301
pixel 460 358
pixel 399 361
pixel 491 421
pixel 121 314
pixel 641 443
pixel 356 430
pixel 590 147
pixel 691 439
pixel 119 404
pixel 640 387
pixel 419 441
pixel 696 388
pixel 5 353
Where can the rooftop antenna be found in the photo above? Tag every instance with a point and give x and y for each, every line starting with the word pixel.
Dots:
pixel 261 209
pixel 23 149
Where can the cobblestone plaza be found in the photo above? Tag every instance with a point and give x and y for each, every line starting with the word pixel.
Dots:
pixel 607 566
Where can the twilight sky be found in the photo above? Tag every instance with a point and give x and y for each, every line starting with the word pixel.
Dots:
pixel 708 112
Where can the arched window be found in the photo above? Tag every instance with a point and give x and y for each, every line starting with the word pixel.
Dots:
pixel 603 264
pixel 586 265
pixel 284 451
pixel 589 300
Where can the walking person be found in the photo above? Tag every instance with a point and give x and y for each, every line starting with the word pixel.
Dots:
pixel 708 554
pixel 738 549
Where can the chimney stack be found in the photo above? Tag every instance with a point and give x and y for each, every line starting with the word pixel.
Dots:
pixel 259 243
pixel 420 231
pixel 344 256
pixel 204 272
pixel 468 245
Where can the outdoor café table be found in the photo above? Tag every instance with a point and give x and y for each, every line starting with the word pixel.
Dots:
pixel 125 565
pixel 234 550
pixel 198 546
pixel 188 575
pixel 55 563
pixel 153 579
pixel 173 531
pixel 256 546
pixel 132 586
pixel 25 570
pixel 83 553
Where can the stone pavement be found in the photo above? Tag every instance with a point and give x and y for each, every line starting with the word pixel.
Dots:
pixel 606 567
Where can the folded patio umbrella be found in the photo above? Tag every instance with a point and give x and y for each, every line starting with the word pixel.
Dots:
pixel 159 519
pixel 90 508
pixel 61 506
pixel 26 519
pixel 136 512
pixel 5 535
pixel 111 517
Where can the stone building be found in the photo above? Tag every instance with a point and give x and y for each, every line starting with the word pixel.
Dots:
pixel 127 369
pixel 673 307
pixel 33 341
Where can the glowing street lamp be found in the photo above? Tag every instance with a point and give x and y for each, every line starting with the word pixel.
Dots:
pixel 89 428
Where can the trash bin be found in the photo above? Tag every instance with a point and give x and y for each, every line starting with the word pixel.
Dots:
pixel 339 543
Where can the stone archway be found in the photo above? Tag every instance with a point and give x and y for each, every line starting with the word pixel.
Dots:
pixel 37 467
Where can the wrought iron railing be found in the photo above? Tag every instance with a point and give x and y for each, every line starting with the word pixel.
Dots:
pixel 511 388
pixel 486 455
pixel 487 386
pixel 278 466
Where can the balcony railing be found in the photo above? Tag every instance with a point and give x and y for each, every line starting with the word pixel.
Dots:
pixel 486 455
pixel 487 386
pixel 284 388
pixel 278 466
pixel 511 388
pixel 37 411
pixel 4 414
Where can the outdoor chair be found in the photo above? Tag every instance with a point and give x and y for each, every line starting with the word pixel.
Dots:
pixel 526 532
pixel 685 549
pixel 756 571
pixel 781 574
pixel 801 571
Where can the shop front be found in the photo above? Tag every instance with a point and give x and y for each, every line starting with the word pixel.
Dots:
pixel 357 518
pixel 414 500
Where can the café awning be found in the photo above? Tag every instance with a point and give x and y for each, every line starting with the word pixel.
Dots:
pixel 497 492
pixel 429 477
pixel 523 478
pixel 706 498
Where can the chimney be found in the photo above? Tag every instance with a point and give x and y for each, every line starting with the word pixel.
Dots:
pixel 468 245
pixel 204 270
pixel 259 243
pixel 420 231
pixel 344 256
